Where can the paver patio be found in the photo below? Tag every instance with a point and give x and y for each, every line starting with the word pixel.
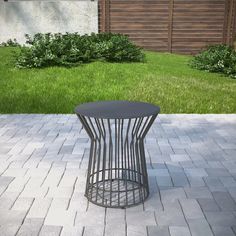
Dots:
pixel 192 175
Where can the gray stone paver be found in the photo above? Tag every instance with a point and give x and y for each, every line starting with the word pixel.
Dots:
pixel 179 231
pixel 225 201
pixel 115 230
pixel 50 230
pixel 158 231
pixel 136 230
pixel 208 204
pixel 200 227
pixel 30 226
pixel 223 218
pixel 72 231
pixel 219 230
pixel 191 163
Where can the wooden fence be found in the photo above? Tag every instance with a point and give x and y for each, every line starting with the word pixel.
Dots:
pixel 178 26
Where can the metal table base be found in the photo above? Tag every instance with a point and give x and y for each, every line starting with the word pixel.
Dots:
pixel 117 174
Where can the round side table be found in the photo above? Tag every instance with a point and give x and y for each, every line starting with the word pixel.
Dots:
pixel 117 174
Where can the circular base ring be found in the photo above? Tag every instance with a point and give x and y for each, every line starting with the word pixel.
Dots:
pixel 116 193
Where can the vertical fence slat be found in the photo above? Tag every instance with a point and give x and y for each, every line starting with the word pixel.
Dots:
pixel 103 15
pixel 229 26
pixel 170 25
pixel 107 15
pixel 234 23
pixel 224 30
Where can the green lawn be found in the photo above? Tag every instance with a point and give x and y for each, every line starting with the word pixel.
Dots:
pixel 164 79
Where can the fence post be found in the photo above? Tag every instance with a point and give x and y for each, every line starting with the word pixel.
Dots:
pixel 224 30
pixel 229 26
pixel 229 22
pixel 105 15
pixel 170 25
pixel 234 22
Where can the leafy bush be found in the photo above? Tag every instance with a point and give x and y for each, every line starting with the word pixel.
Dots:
pixel 10 43
pixel 71 49
pixel 218 58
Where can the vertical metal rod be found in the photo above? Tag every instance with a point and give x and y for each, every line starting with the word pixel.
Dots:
pixel 122 152
pixel 116 155
pixel 110 158
pixel 142 154
pixel 104 159
pixel 148 125
pixel 88 130
pixel 126 157
pixel 132 150
pixel 127 161
pixel 99 157
pixel 118 162
pixel 94 158
pixel 139 173
pixel 133 162
pixel 142 149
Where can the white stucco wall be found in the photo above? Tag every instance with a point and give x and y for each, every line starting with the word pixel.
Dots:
pixel 18 18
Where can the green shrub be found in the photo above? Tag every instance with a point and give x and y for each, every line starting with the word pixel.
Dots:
pixel 119 48
pixel 218 58
pixel 71 49
pixel 10 43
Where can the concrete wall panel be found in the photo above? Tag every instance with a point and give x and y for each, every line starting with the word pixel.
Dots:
pixel 18 18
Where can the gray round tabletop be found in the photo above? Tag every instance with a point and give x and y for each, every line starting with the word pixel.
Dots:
pixel 117 109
